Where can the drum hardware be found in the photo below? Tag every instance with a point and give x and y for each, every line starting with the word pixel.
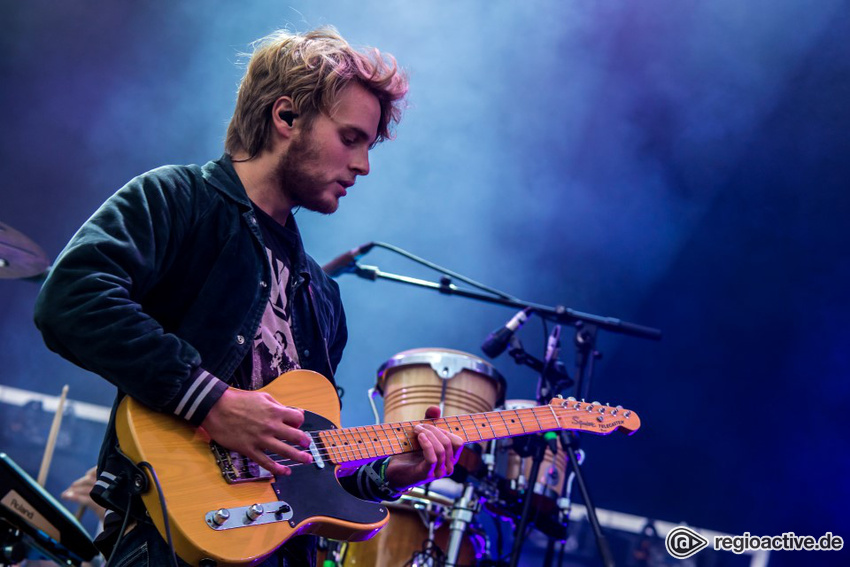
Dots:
pixel 586 324
pixel 459 383
pixel 417 534
pixel 371 393
pixel 561 519
pixel 565 501
pixel 462 514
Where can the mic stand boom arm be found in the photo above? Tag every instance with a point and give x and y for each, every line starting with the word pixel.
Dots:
pixel 559 314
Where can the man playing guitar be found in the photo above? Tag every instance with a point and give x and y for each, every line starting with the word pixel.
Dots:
pixel 189 288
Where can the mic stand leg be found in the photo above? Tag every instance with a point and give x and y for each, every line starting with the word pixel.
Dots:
pixel 519 535
pixel 568 442
pixel 462 513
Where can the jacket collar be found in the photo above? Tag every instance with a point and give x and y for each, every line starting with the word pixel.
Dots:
pixel 221 174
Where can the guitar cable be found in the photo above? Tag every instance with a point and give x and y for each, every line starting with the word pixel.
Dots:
pixel 147 465
pixel 121 531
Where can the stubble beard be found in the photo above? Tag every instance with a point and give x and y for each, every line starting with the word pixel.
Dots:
pixel 303 187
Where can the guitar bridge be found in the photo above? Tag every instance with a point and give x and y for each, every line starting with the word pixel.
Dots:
pixel 236 467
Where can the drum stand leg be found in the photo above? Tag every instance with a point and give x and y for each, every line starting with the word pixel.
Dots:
pixel 461 516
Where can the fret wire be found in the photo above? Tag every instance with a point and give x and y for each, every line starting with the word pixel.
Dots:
pixel 380 431
pixel 507 427
pixel 406 436
pixel 520 420
pixel 398 431
pixel 391 437
pixel 476 427
pixel 363 445
pixel 381 427
pixel 357 452
pixel 490 424
pixel 461 428
pixel 470 420
pixel 367 436
pixel 367 431
pixel 340 442
pixel 327 441
pixel 534 415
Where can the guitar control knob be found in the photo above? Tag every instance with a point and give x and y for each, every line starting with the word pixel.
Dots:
pixel 254 511
pixel 220 516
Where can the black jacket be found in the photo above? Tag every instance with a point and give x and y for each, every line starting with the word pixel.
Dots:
pixel 161 291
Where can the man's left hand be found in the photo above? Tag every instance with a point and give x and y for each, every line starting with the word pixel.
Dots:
pixel 439 454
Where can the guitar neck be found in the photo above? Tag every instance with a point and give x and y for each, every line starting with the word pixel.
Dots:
pixel 371 442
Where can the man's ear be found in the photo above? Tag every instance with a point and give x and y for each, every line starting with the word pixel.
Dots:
pixel 283 115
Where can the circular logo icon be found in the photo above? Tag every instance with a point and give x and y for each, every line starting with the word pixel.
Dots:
pixel 682 542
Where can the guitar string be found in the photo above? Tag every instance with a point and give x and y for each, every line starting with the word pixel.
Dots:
pixel 356 451
pixel 353 450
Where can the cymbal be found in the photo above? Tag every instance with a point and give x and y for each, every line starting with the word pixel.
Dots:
pixel 20 257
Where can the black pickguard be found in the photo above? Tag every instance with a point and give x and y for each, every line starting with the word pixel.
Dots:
pixel 312 491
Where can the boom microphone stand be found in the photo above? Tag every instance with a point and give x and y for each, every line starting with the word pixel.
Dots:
pixel 587 326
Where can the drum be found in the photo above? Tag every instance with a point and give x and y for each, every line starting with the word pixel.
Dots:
pixel 458 382
pixel 551 476
pixel 407 534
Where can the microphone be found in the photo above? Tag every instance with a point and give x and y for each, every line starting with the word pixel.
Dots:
pixel 345 262
pixel 497 341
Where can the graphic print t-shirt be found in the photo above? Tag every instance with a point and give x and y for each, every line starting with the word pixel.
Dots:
pixel 273 349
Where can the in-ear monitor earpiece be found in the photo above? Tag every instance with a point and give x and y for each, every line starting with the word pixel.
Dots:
pixel 288 116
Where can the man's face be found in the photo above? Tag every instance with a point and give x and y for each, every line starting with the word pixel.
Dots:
pixel 323 161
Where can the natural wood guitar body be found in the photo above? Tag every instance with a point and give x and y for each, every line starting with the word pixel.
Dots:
pixel 193 484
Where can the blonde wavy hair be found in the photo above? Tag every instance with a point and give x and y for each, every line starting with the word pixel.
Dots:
pixel 312 69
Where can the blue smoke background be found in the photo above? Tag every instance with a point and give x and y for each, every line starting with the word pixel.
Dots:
pixel 678 164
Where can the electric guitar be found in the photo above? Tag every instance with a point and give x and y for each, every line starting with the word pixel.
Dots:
pixel 224 509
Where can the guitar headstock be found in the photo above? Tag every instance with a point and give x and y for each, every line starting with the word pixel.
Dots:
pixel 593 417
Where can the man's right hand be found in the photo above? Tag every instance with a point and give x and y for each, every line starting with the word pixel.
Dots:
pixel 254 422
